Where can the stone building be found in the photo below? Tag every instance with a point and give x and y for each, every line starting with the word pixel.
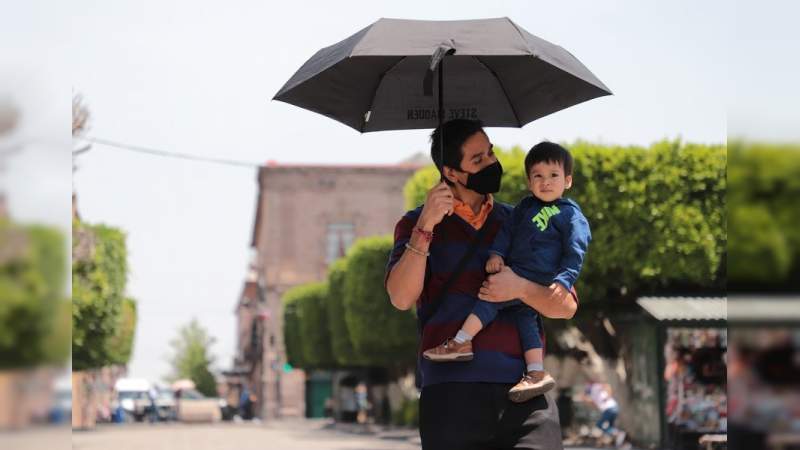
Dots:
pixel 306 217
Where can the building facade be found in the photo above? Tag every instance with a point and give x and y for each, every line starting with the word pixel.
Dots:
pixel 306 217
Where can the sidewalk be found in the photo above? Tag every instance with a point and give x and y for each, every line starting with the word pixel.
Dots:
pixel 388 432
pixel 410 435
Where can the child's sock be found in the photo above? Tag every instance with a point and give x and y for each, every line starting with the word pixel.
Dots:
pixel 535 366
pixel 462 337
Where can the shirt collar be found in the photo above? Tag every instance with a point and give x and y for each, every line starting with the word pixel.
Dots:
pixel 464 211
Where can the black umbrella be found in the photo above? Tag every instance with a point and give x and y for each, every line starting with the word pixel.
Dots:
pixel 381 77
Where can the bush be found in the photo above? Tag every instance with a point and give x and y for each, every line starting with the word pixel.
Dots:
pixel 292 336
pixel 764 248
pixel 408 413
pixel 342 345
pixel 381 335
pixel 314 336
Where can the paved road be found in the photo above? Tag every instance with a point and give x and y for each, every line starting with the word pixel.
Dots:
pixel 284 435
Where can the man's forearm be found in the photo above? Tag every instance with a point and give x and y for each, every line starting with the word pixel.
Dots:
pixel 553 303
pixel 407 277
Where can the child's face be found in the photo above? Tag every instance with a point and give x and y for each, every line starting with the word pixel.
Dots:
pixel 547 182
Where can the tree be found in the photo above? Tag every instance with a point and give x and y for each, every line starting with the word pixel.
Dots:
pixel 341 343
pixel 764 183
pixel 292 336
pixel 381 335
pixel 121 343
pixel 191 358
pixel 32 269
pixel 99 276
pixel 309 339
pixel 80 125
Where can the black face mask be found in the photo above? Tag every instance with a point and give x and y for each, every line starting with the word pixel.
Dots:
pixel 486 180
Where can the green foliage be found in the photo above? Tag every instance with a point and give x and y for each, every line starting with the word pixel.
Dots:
pixel 417 186
pixel 408 413
pixel 32 267
pixel 314 328
pixel 292 336
pixel 380 333
pixel 121 343
pixel 191 358
pixel 306 326
pixel 764 246
pixel 657 214
pixel 98 288
pixel 342 345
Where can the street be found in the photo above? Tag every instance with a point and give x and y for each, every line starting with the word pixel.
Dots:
pixel 284 435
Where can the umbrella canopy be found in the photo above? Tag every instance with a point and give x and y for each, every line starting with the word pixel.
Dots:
pixel 491 69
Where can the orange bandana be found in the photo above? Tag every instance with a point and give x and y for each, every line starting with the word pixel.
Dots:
pixel 465 212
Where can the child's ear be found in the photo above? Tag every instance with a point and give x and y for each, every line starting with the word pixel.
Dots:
pixel 568 181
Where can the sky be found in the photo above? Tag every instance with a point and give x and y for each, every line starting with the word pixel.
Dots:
pixel 197 77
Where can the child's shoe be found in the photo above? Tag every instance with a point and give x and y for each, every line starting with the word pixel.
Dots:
pixel 450 351
pixel 534 383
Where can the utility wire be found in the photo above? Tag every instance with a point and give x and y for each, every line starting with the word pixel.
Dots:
pixel 163 153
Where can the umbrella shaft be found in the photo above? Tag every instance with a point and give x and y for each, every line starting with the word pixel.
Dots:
pixel 441 113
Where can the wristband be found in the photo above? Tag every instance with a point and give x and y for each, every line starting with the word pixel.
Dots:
pixel 417 251
pixel 428 235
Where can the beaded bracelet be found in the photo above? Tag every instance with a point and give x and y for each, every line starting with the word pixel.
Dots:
pixel 428 235
pixel 417 251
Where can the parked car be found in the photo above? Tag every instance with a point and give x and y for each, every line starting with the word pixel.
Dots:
pixel 195 407
pixel 166 405
pixel 61 406
pixel 132 397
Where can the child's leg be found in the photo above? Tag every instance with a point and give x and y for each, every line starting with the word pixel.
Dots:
pixel 460 347
pixel 536 381
pixel 527 321
pixel 482 314
pixel 534 359
pixel 471 327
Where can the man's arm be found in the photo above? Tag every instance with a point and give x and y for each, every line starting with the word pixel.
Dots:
pixel 406 277
pixel 553 302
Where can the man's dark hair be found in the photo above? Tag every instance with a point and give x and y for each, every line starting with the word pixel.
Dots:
pixel 548 152
pixel 456 132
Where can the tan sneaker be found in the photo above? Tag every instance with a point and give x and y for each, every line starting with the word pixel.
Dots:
pixel 533 384
pixel 450 351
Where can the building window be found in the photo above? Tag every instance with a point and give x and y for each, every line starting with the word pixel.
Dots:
pixel 339 238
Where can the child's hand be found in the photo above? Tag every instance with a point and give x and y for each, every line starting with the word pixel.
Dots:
pixel 494 264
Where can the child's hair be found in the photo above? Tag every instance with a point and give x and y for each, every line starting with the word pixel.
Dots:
pixel 548 152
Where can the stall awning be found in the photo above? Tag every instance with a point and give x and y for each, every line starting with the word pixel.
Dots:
pixel 764 309
pixel 679 309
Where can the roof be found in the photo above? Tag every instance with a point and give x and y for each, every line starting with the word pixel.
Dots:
pixel 764 308
pixel 410 165
pixel 685 308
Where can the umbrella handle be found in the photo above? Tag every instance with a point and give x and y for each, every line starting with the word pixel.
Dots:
pixel 437 61
pixel 438 54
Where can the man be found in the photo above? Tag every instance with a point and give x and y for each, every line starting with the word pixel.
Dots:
pixel 464 405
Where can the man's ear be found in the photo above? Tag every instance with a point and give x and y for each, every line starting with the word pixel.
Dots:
pixel 568 181
pixel 450 174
